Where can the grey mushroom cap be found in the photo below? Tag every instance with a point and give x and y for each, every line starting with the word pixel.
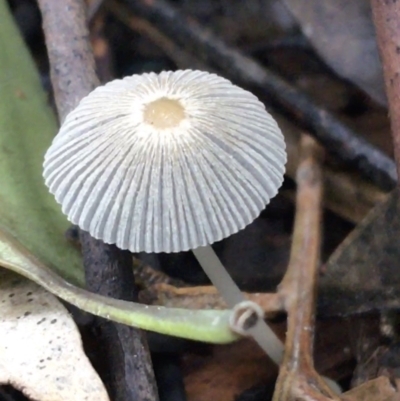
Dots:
pixel 166 162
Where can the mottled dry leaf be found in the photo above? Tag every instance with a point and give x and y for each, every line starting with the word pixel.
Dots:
pixel 40 347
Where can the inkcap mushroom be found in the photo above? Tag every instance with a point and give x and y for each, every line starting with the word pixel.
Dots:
pixel 169 162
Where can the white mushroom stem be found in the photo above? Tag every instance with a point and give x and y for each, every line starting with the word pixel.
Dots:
pixel 232 295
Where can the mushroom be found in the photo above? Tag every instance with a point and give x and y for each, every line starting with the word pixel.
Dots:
pixel 169 162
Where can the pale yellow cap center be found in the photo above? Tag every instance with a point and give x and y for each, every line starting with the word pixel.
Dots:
pixel 164 113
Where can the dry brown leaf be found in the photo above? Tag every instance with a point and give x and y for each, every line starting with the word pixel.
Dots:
pixel 227 372
pixel 40 347
pixel 361 275
pixel 380 389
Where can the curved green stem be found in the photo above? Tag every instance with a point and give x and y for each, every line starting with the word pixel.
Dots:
pixel 201 325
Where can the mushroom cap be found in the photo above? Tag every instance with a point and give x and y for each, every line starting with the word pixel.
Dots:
pixel 166 162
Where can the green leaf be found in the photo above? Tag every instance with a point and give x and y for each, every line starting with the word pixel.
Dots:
pixel 27 126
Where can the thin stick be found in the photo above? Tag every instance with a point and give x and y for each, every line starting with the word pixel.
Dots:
pixel 93 7
pixel 108 270
pixel 386 16
pixel 101 49
pixel 181 57
pixel 299 283
pixel 341 141
pixel 203 297
pixel 298 287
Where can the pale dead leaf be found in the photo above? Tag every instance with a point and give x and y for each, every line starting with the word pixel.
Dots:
pixel 343 34
pixel 40 347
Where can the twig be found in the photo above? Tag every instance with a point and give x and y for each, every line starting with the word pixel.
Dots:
pixel 145 28
pixel 93 8
pixel 298 288
pixel 386 16
pixel 108 270
pixel 204 297
pixel 334 135
pixel 101 49
pixel 346 193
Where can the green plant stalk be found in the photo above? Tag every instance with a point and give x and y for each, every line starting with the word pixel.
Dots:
pixel 201 325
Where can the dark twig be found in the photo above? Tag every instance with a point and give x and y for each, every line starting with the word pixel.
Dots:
pixel 108 270
pixel 101 49
pixel 336 137
pixel 93 8
pixel 386 16
pixel 140 25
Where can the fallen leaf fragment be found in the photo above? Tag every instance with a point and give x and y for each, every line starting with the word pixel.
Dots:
pixel 41 351
pixel 380 389
pixel 227 371
pixel 361 275
pixel 330 26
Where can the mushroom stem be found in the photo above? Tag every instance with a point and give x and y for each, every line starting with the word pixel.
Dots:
pixel 220 278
